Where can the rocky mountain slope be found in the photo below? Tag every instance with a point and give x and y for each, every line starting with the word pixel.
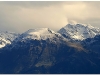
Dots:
pixel 43 51
pixel 79 31
pixel 27 53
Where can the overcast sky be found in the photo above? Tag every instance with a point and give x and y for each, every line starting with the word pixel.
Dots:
pixel 21 16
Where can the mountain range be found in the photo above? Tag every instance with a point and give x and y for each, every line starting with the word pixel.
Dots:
pixel 74 49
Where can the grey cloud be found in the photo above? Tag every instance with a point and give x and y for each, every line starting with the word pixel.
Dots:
pixel 31 3
pixel 21 16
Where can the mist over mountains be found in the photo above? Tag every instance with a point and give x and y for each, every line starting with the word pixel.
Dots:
pixel 74 49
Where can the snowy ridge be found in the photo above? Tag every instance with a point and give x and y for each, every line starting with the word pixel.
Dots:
pixel 72 31
pixel 79 31
pixel 39 34
pixel 6 38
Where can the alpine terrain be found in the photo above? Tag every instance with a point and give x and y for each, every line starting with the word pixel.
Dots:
pixel 79 31
pixel 44 51
pixel 6 38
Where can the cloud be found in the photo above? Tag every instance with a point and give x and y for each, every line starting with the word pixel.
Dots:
pixel 21 16
pixel 52 17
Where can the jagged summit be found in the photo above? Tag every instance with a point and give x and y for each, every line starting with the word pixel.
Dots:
pixel 39 33
pixel 72 31
pixel 7 37
pixel 79 31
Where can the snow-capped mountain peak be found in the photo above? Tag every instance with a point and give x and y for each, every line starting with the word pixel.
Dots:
pixel 38 34
pixel 39 31
pixel 7 37
pixel 79 31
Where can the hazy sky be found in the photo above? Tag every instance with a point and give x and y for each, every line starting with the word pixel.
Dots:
pixel 21 16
